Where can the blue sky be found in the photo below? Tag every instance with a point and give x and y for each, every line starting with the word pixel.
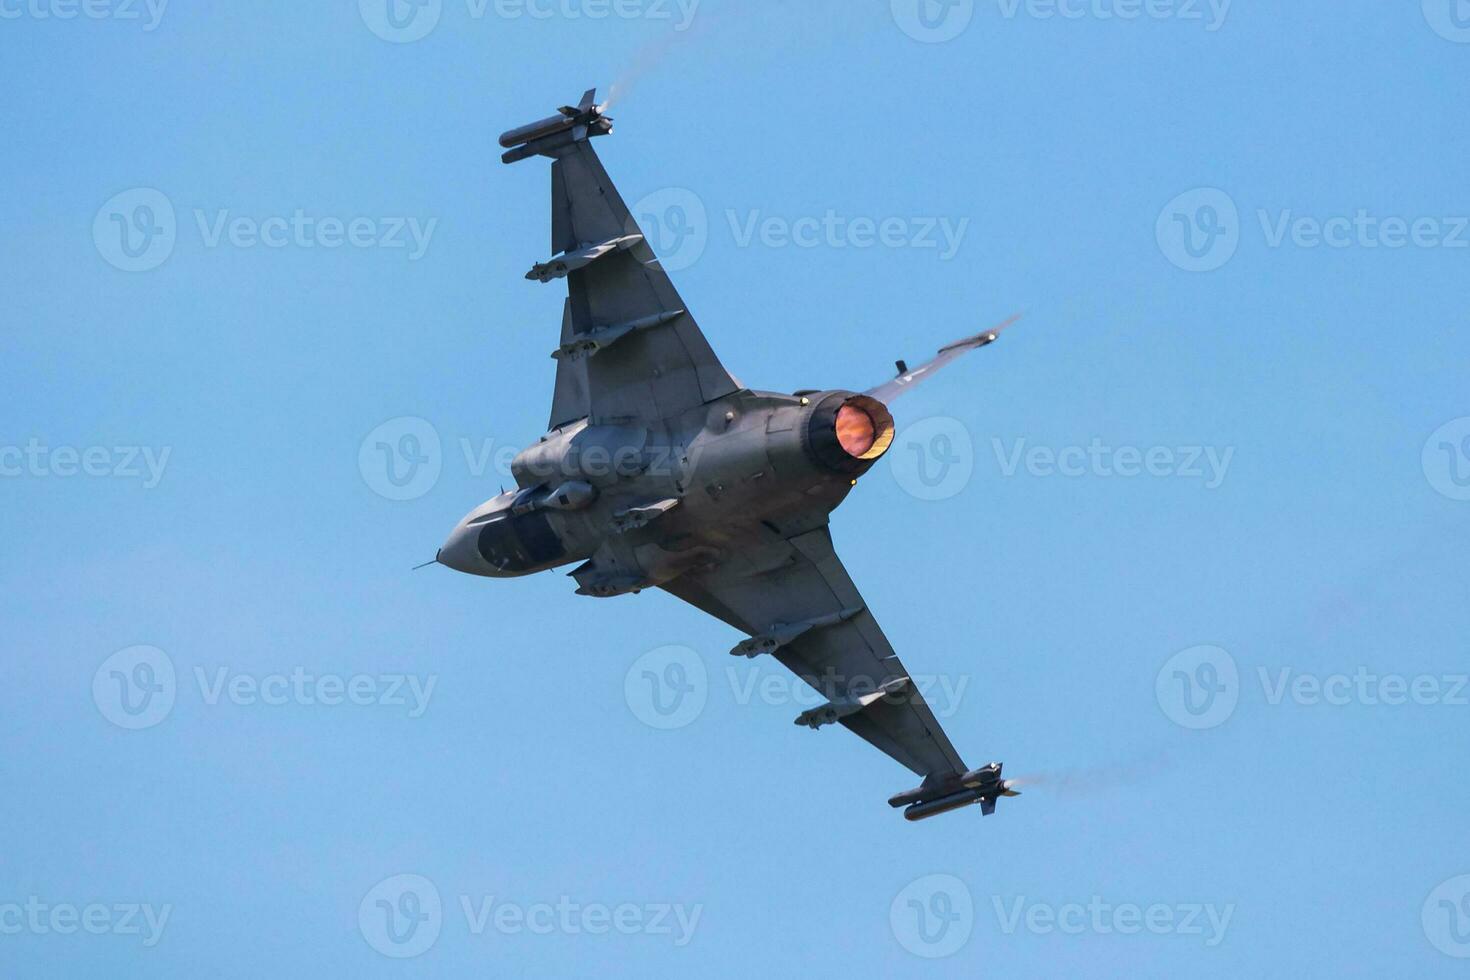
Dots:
pixel 1187 547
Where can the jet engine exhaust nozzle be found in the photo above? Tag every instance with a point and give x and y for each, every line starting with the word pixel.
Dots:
pixel 849 433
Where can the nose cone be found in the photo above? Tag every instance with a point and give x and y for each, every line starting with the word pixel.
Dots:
pixel 461 552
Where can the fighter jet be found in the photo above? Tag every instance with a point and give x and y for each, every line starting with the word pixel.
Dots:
pixel 660 470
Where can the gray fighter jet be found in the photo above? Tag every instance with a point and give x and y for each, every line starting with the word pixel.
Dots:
pixel 660 470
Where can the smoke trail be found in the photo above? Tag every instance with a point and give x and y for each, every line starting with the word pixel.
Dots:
pixel 1096 780
pixel 759 25
pixel 655 52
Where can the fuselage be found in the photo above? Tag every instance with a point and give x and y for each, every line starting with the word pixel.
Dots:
pixel 641 503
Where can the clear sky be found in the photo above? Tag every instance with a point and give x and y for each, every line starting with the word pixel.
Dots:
pixel 1188 547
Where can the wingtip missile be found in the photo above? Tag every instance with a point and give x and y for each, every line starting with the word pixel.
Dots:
pixel 936 796
pixel 933 808
pixel 571 124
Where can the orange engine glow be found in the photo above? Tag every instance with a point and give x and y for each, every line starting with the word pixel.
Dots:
pixel 855 431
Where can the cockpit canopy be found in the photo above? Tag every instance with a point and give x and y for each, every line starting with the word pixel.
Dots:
pixel 519 542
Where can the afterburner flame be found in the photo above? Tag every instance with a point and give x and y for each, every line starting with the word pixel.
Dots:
pixel 864 427
pixel 855 430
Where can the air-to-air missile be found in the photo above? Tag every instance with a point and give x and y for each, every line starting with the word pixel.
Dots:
pixel 983 786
